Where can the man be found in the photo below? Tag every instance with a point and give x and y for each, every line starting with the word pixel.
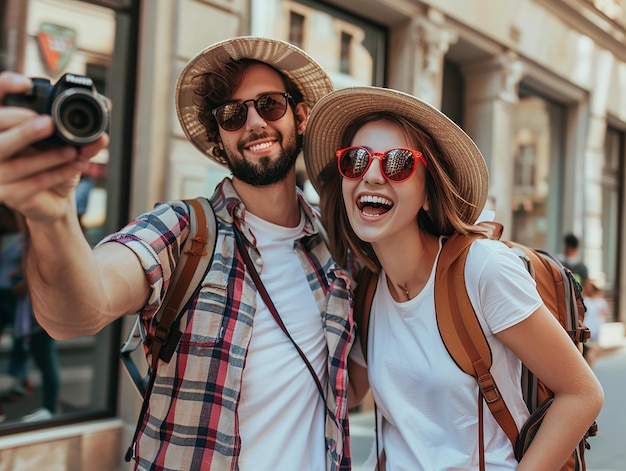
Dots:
pixel 236 394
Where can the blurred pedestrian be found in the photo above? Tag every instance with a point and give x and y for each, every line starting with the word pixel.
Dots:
pixel 28 339
pixel 31 341
pixel 596 314
pixel 572 258
pixel 12 242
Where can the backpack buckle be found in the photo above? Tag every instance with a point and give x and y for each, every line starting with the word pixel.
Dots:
pixel 488 388
pixel 160 334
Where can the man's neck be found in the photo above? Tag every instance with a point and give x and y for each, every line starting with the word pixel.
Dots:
pixel 276 203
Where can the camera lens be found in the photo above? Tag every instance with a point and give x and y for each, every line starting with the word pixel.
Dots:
pixel 79 116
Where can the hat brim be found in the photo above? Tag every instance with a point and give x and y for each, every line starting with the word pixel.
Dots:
pixel 331 116
pixel 293 62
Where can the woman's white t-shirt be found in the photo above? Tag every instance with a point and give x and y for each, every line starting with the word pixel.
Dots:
pixel 429 405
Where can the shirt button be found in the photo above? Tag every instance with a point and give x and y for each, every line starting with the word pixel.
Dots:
pixel 259 261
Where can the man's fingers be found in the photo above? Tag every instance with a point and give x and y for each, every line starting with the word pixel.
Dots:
pixel 10 82
pixel 17 138
pixel 27 166
pixel 14 115
pixel 14 194
pixel 90 150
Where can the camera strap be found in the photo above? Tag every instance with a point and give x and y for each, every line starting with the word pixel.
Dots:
pixel 270 305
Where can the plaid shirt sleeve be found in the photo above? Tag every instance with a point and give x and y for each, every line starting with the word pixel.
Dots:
pixel 156 238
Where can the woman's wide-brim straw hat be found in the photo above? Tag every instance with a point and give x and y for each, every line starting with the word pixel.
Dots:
pixel 331 116
pixel 288 59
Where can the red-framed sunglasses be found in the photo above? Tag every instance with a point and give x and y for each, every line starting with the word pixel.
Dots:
pixel 396 165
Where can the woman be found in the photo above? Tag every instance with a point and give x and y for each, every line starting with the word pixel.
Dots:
pixel 396 178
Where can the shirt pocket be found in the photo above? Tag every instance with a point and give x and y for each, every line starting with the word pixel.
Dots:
pixel 205 319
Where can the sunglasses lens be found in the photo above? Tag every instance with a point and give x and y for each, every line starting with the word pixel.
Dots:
pixel 232 116
pixel 398 164
pixel 272 106
pixel 353 162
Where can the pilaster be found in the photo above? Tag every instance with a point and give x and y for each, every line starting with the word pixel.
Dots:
pixel 420 51
pixel 490 99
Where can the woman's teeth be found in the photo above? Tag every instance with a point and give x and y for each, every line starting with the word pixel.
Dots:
pixel 375 200
pixel 376 205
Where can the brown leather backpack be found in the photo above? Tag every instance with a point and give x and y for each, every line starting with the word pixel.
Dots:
pixel 466 343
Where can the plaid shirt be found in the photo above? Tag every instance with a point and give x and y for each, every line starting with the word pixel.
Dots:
pixel 192 421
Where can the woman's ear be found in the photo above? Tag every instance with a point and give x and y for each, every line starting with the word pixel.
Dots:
pixel 301 112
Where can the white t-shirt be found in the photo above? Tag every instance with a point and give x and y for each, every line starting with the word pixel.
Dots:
pixel 281 413
pixel 429 404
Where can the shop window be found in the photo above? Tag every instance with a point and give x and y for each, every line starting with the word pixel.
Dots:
pixel 538 171
pixel 78 380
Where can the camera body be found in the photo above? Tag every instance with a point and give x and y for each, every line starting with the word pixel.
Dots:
pixel 80 114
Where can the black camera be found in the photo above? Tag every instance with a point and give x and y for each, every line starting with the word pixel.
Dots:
pixel 80 114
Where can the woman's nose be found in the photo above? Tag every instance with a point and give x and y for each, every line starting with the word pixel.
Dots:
pixel 373 174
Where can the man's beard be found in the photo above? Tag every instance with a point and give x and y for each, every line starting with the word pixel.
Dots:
pixel 265 171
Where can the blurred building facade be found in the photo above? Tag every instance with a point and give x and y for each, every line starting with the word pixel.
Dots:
pixel 540 85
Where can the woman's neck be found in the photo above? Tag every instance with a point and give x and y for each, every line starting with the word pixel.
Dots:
pixel 408 263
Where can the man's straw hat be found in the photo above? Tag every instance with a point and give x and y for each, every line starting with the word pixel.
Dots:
pixel 293 62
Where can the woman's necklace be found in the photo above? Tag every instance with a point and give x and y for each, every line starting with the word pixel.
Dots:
pixel 407 285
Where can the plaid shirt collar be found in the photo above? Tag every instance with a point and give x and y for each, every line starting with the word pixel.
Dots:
pixel 229 208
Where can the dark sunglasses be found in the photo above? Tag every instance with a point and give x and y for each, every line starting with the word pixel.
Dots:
pixel 233 115
pixel 396 165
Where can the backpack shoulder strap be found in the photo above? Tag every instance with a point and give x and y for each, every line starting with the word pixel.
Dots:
pixel 363 296
pixel 458 326
pixel 195 260
pixel 461 332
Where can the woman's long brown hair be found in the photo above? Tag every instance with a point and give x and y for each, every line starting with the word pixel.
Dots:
pixel 442 218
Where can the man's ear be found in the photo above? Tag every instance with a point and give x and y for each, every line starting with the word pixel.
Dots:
pixel 302 113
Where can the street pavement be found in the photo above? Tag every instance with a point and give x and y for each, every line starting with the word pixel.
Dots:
pixel 608 448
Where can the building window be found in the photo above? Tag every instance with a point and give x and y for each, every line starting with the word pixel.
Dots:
pixel 345 57
pixel 351 49
pixel 611 182
pixel 537 176
pixel 296 29
pixel 524 173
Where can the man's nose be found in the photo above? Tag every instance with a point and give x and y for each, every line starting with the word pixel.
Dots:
pixel 254 120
